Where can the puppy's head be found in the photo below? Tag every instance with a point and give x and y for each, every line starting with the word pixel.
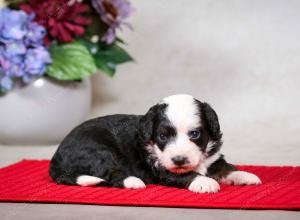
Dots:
pixel 180 132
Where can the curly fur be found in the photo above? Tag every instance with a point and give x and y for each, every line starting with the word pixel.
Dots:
pixel 116 147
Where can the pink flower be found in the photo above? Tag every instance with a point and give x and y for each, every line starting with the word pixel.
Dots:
pixel 113 13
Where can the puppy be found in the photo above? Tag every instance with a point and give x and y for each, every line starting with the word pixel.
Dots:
pixel 176 143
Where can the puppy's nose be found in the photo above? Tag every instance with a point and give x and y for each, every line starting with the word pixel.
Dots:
pixel 179 160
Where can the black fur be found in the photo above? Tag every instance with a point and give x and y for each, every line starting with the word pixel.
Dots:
pixel 219 169
pixel 114 147
pixel 211 124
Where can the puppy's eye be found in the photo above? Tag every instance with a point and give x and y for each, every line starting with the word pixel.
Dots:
pixel 162 137
pixel 194 134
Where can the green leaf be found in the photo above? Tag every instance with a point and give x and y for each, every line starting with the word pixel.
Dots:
pixel 71 61
pixel 89 45
pixel 120 40
pixel 14 4
pixel 106 57
pixel 105 66
pixel 2 92
pixel 114 54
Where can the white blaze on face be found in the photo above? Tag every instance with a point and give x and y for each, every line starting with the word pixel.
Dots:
pixel 183 113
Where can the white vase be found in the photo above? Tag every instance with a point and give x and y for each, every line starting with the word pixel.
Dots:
pixel 43 112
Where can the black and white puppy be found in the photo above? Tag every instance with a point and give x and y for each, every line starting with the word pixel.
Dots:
pixel 176 143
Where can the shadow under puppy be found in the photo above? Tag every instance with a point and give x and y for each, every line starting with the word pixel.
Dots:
pixel 176 143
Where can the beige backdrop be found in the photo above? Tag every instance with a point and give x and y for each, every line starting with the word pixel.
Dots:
pixel 243 57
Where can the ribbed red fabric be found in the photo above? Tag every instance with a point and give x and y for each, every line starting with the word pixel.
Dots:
pixel 28 181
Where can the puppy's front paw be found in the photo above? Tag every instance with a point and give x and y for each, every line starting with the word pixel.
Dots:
pixel 241 178
pixel 203 184
pixel 133 182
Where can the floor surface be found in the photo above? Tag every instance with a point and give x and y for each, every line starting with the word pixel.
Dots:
pixel 26 211
pixel 11 211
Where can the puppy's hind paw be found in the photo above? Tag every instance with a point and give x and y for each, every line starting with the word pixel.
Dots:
pixel 86 180
pixel 203 184
pixel 133 182
pixel 241 178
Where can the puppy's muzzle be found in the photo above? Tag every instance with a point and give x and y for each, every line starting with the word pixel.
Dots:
pixel 180 160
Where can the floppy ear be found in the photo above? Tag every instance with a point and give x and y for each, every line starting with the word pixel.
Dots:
pixel 212 122
pixel 146 125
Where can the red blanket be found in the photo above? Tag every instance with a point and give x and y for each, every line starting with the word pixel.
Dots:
pixel 28 181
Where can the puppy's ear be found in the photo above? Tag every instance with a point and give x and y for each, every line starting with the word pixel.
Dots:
pixel 211 119
pixel 146 124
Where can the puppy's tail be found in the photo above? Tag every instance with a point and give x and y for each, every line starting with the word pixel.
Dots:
pixel 68 178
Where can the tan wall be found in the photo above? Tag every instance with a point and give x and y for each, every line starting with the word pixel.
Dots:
pixel 243 57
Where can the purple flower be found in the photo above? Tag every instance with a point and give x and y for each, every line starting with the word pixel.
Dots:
pixel 16 67
pixel 6 83
pixel 12 24
pixel 35 33
pixel 35 59
pixel 113 13
pixel 16 47
pixel 22 52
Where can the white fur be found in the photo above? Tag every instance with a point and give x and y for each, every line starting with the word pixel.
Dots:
pixel 241 178
pixel 210 145
pixel 182 146
pixel 203 184
pixel 202 168
pixel 133 182
pixel 182 111
pixel 86 180
pixel 164 158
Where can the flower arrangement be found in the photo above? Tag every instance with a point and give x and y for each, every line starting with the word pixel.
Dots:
pixel 61 39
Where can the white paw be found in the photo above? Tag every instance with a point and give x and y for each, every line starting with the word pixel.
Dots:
pixel 241 178
pixel 133 182
pixel 203 184
pixel 86 180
